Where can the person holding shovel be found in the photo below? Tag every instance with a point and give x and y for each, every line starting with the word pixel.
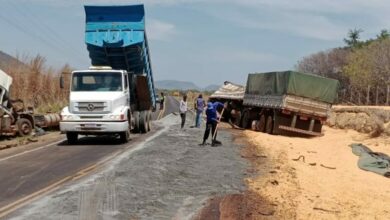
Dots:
pixel 211 123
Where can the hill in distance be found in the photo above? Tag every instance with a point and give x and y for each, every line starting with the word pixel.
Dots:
pixel 182 85
pixel 6 61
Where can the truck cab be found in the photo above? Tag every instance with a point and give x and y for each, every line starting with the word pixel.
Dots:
pixel 98 104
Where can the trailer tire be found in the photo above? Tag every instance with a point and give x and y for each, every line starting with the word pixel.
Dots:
pixel 72 137
pixel 136 115
pixel 149 120
pixel 261 124
pixel 24 127
pixel 254 125
pixel 142 122
pixel 246 122
pixel 269 125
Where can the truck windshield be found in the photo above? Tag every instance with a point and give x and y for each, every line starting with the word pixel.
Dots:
pixel 96 81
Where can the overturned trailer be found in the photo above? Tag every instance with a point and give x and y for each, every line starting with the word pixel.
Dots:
pixel 282 102
pixel 233 95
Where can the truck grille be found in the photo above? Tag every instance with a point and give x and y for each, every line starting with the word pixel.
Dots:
pixel 88 107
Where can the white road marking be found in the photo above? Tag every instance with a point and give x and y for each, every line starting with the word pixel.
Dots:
pixel 29 151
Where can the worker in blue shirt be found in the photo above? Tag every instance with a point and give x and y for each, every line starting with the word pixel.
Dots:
pixel 211 123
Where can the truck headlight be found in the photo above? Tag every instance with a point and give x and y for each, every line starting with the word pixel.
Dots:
pixel 117 117
pixel 67 117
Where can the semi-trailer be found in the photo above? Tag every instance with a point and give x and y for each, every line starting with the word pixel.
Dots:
pixel 283 102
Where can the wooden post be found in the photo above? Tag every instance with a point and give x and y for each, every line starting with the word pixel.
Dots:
pixel 387 94
pixel 368 96
pixel 376 95
pixel 359 101
pixel 350 90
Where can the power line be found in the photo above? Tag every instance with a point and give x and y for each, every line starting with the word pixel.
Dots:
pixel 30 31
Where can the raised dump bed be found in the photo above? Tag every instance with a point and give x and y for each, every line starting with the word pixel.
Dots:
pixel 116 37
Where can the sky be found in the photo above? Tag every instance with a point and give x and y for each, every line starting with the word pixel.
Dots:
pixel 201 41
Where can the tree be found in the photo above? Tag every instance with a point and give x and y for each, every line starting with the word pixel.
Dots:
pixel 326 63
pixel 383 35
pixel 353 37
pixel 370 65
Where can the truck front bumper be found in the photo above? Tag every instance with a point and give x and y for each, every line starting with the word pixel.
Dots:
pixel 93 127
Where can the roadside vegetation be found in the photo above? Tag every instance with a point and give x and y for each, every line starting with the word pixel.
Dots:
pixel 362 67
pixel 36 84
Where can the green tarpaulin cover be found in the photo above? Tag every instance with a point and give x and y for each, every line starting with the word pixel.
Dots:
pixel 372 161
pixel 293 83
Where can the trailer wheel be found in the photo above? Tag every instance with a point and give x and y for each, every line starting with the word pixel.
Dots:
pixel 136 121
pixel 261 124
pixel 245 120
pixel 24 127
pixel 72 137
pixel 142 122
pixel 254 125
pixel 149 120
pixel 269 125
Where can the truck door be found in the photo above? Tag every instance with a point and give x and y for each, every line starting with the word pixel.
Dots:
pixel 126 88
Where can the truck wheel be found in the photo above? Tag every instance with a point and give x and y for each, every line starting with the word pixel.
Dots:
pixel 246 122
pixel 136 121
pixel 124 136
pixel 149 120
pixel 261 124
pixel 72 137
pixel 269 125
pixel 238 119
pixel 24 127
pixel 142 122
pixel 254 125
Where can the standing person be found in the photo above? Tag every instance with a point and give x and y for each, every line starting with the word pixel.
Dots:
pixel 183 110
pixel 162 106
pixel 211 123
pixel 162 101
pixel 199 107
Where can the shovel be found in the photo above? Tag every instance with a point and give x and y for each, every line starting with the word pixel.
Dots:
pixel 216 127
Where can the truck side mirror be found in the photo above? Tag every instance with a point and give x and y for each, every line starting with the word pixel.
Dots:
pixel 61 82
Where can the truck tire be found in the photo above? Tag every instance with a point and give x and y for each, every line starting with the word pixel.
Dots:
pixel 72 137
pixel 142 122
pixel 246 122
pixel 149 120
pixel 261 124
pixel 24 127
pixel 254 125
pixel 269 125
pixel 136 121
pixel 124 136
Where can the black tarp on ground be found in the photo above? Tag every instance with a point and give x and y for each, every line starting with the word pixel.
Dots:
pixel 372 161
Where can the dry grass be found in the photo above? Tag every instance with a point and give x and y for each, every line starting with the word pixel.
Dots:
pixel 37 85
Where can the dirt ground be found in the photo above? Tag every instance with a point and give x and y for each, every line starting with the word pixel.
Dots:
pixel 325 183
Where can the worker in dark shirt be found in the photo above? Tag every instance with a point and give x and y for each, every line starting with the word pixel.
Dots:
pixel 211 123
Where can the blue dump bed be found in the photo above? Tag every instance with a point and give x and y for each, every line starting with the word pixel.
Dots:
pixel 116 37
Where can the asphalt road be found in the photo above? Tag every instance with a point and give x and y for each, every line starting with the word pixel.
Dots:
pixel 161 175
pixel 167 176
pixel 27 172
